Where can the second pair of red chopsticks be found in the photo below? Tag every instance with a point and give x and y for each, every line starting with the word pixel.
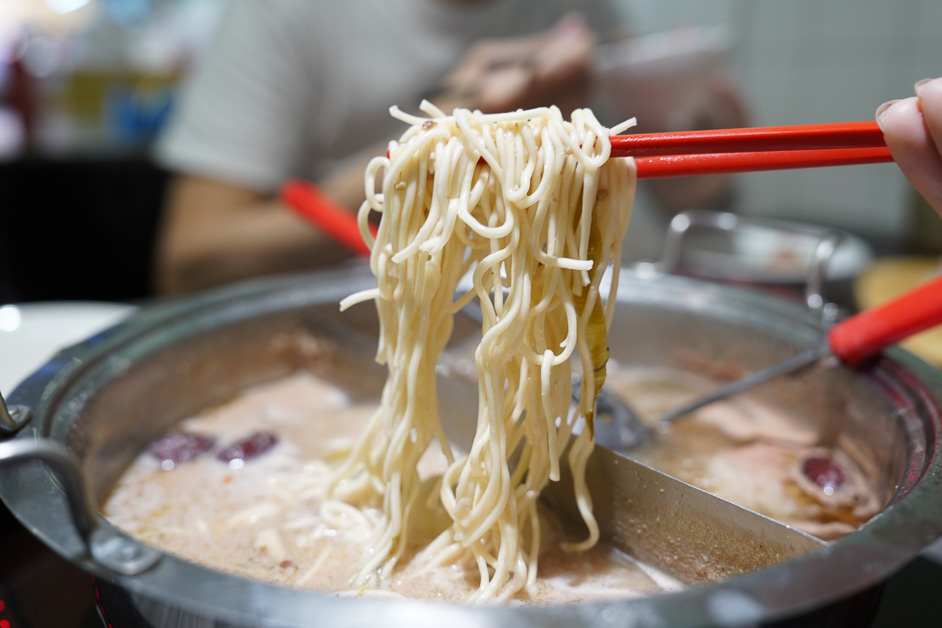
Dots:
pixel 675 154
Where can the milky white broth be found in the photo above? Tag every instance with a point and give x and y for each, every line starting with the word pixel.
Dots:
pixel 749 453
pixel 264 519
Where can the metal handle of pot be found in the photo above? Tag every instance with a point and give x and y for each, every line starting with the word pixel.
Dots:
pixel 12 418
pixel 681 224
pixel 817 275
pixel 106 546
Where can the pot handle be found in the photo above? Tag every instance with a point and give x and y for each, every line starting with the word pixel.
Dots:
pixel 12 418
pixel 108 547
pixel 828 241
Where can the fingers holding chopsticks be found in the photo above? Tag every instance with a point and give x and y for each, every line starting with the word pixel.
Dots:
pixel 912 128
pixel 929 92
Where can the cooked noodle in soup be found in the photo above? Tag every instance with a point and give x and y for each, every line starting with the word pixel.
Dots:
pixel 533 208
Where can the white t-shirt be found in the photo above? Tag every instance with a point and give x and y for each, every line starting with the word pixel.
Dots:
pixel 293 88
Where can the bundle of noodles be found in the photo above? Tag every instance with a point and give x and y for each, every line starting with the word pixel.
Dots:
pixel 533 207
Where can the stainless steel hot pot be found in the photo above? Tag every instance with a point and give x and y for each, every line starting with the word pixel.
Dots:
pixel 107 397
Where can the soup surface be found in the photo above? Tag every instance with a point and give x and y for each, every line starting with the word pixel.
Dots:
pixel 241 488
pixel 750 454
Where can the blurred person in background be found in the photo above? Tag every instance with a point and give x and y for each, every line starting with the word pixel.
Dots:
pixel 297 88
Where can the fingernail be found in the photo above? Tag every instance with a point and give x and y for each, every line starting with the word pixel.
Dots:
pixel 882 110
pixel 919 84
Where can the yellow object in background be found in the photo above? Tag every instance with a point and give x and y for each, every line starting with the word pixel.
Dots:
pixel 889 277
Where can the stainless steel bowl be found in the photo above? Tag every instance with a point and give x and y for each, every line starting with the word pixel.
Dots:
pixel 782 256
pixel 107 397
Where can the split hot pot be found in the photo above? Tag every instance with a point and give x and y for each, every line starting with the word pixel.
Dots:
pixel 104 399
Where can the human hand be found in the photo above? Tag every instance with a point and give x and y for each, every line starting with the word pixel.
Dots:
pixel 551 68
pixel 912 128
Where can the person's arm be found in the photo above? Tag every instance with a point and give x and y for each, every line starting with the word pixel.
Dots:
pixel 215 232
pixel 912 128
pixel 240 130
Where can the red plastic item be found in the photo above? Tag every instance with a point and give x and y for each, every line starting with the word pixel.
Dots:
pixel 863 335
pixel 338 222
pixel 675 154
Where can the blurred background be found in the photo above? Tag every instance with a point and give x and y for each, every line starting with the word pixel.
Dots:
pixel 86 85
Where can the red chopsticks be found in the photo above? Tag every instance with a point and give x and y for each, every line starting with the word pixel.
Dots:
pixel 753 149
pixel 770 138
pixel 668 155
pixel 339 223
